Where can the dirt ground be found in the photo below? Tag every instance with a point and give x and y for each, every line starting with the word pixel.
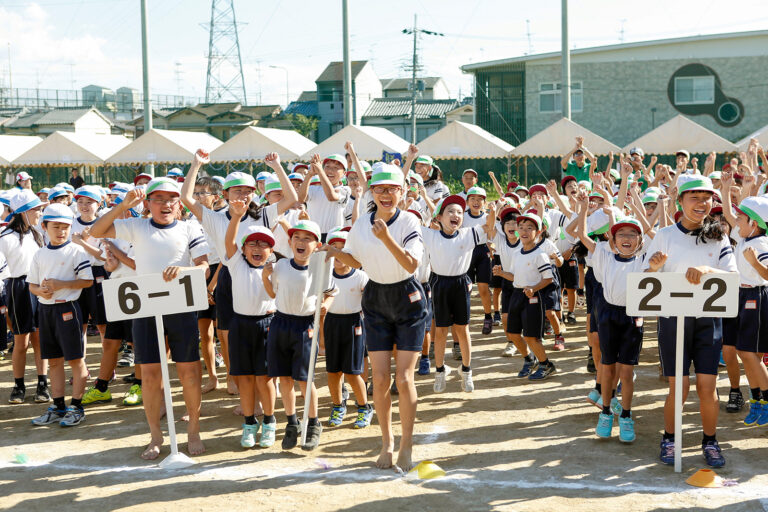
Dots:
pixel 510 445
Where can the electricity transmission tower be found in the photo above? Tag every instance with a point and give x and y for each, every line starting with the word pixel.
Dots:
pixel 414 68
pixel 225 79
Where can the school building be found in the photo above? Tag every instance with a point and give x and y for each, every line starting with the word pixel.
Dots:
pixel 623 91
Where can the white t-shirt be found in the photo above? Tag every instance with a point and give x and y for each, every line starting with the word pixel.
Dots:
pixel 121 270
pixel 215 224
pixel 295 289
pixel 66 262
pixel 270 219
pixel 451 255
pixel 350 296
pixel 248 287
pixel 612 269
pixel 78 225
pixel 327 214
pixel 471 221
pixel 530 267
pixel 683 251
pixel 158 246
pixel 749 275
pixel 18 253
pixel 436 190
pixel 213 256
pixel 505 249
pixel 380 265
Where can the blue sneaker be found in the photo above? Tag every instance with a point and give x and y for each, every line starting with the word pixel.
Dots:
pixel 604 425
pixel 713 455
pixel 337 415
pixel 594 397
pixel 364 416
pixel 616 407
pixel 542 372
pixel 267 435
pixel 73 416
pixel 248 438
pixel 755 411
pixel 528 367
pixel 626 429
pixel 667 454
pixel 424 367
pixel 721 363
pixel 763 419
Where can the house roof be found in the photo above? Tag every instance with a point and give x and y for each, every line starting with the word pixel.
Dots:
pixel 334 72
pixel 56 116
pixel 389 84
pixel 156 114
pixel 304 108
pixel 259 111
pixel 396 107
pixel 307 96
pixel 216 108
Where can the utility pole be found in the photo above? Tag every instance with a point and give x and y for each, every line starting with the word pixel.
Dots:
pixel 347 88
pixel 528 33
pixel 414 68
pixel 145 71
pixel 10 75
pixel 565 90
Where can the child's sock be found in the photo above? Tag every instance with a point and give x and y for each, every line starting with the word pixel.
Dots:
pixel 599 388
pixel 440 369
pixel 292 420
pixel 42 380
pixel 707 439
pixel 77 402
pixel 19 383
pixel 102 385
pixel 137 381
pixel 764 394
pixel 755 392
pixel 668 436
pixel 269 419
pixel 465 368
pixel 425 356
pixel 606 409
pixel 313 422
pixel 488 316
pixel 626 413
pixel 250 420
pixel 59 403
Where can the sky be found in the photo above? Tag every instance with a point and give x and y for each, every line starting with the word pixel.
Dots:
pixel 68 44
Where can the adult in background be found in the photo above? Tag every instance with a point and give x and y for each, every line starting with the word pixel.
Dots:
pixel 76 180
pixel 575 162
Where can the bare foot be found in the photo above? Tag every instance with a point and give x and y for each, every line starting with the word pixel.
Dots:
pixel 237 411
pixel 231 386
pixel 210 385
pixel 404 460
pixel 385 458
pixel 152 450
pixel 195 444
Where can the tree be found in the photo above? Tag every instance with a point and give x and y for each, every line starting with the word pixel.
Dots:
pixel 303 124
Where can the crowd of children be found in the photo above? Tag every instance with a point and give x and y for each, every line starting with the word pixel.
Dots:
pixel 406 256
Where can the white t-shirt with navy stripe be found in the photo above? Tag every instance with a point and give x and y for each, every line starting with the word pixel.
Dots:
pixel 18 252
pixel 248 287
pixel 436 190
pixel 684 251
pixel 471 221
pixel 65 262
pixel 294 288
pixel 327 214
pixel 530 267
pixel 451 255
pixel 78 226
pixel 505 249
pixel 270 217
pixel 611 270
pixel 749 275
pixel 215 225
pixel 350 297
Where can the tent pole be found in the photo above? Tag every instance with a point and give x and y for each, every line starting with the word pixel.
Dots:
pixel 525 164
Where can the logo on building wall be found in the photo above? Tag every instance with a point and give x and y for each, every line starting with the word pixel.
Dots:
pixel 695 89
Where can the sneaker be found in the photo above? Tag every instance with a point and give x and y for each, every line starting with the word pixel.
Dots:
pixel 133 397
pixel 570 318
pixel 126 359
pixel 735 402
pixel 364 416
pixel 74 416
pixel 424 367
pixel 487 326
pixel 591 368
pixel 594 398
pixel 542 372
pixel 313 437
pixel 17 395
pixel 219 360
pixel 248 439
pixel 626 430
pixel 456 350
pixel 763 419
pixel 267 435
pixel 755 411
pixel 581 301
pixel 291 437
pixel 91 330
pixel 130 378
pixel 667 454
pixel 94 396
pixel 713 454
pixel 604 425
pixel 42 393
pixel 549 331
pixel 497 318
pixel 528 367
pixel 466 381
pixel 52 415
pixel 2 355
pixel 393 388
pixel 721 363
pixel 509 351
pixel 337 415
pixel 559 342
pixel 616 407
pixel 440 378
pixel 344 394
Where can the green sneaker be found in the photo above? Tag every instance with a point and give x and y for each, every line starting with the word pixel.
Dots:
pixel 134 396
pixel 94 396
pixel 267 435
pixel 248 439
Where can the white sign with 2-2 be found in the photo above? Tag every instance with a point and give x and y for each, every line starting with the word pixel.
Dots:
pixel 670 294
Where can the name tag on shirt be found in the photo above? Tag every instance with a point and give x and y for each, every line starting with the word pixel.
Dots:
pixel 3 310
pixel 310 332
pixel 639 322
pixel 572 263
pixel 99 279
pixel 358 331
pixel 533 300
pixel 67 316
pixel 750 304
pixel 415 296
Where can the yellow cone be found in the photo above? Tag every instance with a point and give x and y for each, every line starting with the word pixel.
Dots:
pixel 704 478
pixel 426 470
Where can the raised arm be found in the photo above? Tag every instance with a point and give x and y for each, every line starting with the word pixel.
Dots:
pixel 188 187
pixel 626 170
pixel 496 184
pixel 289 193
pixel 413 152
pixel 552 189
pixel 104 227
pixel 361 178
pixel 330 192
pixel 726 181
pixel 236 211
pixel 567 157
pixel 581 231
pixel 304 188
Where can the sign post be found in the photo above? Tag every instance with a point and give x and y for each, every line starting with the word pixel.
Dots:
pixel 151 296
pixel 670 294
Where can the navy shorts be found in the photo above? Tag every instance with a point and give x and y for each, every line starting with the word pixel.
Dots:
pixel 430 308
pixel 209 313
pixel 61 331
pixel 22 305
pixel 526 315
pixel 288 346
pixel 223 298
pixel 181 332
pixel 702 345
pixel 480 270
pixel 248 344
pixel 592 287
pixel 551 296
pixel 91 299
pixel 496 281
pixel 748 332
pixel 569 273
pixel 344 343
pixel 507 289
pixel 122 330
pixel 395 315
pixel 450 299
pixel 621 336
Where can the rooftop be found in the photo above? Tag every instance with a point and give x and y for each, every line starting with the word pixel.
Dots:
pixel 56 116
pixel 389 84
pixel 334 72
pixel 396 107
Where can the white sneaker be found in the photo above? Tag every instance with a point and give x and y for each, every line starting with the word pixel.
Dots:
pixel 510 351
pixel 466 381
pixel 440 378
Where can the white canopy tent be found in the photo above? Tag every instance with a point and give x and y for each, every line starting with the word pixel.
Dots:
pixel 253 143
pixel 369 142
pixel 559 138
pixel 71 149
pixel 13 146
pixel 681 133
pixel 761 135
pixel 164 147
pixel 462 140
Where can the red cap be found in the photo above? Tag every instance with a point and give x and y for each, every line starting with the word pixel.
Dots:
pixel 141 175
pixel 454 199
pixel 566 180
pixel 507 210
pixel 716 210
pixel 538 188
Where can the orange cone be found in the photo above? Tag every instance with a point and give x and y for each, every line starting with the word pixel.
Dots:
pixel 705 478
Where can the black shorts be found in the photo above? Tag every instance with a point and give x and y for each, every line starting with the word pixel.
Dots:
pixel 430 308
pixel 480 270
pixel 526 315
pixel 223 298
pixel 551 296
pixel 121 330
pixel 394 315
pixel 209 313
pixel 344 343
pixel 181 332
pixel 702 345
pixel 748 332
pixel 621 336
pixel 507 289
pixel 22 305
pixel 496 281
pixel 248 344
pixel 569 274
pixel 91 299
pixel 61 331
pixel 450 299
pixel 288 346
pixel 592 287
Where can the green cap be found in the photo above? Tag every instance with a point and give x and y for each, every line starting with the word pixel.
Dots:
pixel 306 225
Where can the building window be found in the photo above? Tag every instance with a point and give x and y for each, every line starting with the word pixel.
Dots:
pixel 549 97
pixel 694 90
